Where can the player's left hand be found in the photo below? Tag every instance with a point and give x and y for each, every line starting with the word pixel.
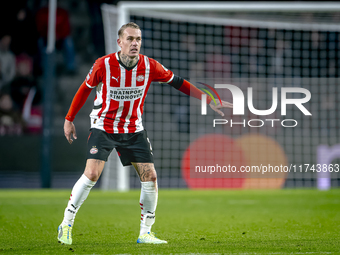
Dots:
pixel 217 107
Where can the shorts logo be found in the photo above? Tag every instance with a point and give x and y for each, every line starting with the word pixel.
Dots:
pixel 140 78
pixel 150 145
pixel 94 150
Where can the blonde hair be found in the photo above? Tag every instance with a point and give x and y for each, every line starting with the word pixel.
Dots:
pixel 130 24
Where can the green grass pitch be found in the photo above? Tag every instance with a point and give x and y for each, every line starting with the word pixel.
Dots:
pixel 192 221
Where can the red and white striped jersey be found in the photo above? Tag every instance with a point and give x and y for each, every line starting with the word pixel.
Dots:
pixel 120 96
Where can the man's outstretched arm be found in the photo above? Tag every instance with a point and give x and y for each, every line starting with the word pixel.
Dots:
pixel 191 90
pixel 77 103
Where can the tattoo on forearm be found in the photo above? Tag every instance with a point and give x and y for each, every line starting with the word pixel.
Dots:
pixel 126 60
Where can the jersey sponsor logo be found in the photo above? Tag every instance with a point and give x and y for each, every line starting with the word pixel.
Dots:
pixel 126 94
pixel 94 150
pixel 140 78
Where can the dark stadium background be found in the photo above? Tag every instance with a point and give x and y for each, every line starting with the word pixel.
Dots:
pixel 21 155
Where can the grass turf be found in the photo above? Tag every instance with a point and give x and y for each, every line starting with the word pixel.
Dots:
pixel 204 221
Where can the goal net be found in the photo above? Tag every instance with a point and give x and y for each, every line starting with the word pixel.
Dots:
pixel 267 49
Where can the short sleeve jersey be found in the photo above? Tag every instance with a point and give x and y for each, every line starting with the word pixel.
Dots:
pixel 120 92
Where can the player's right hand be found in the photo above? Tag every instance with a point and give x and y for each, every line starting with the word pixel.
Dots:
pixel 217 107
pixel 69 131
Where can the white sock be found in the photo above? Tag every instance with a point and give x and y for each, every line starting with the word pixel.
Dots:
pixel 79 193
pixel 148 204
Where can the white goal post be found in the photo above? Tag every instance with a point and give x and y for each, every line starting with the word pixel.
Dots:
pixel 209 13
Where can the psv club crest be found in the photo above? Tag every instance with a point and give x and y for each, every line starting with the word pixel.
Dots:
pixel 94 150
pixel 140 78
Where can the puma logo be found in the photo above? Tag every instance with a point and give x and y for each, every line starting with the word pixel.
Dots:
pixel 115 78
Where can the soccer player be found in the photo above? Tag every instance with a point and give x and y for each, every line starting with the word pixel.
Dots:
pixel 122 80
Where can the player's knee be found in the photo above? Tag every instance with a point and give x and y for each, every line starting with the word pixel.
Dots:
pixel 92 174
pixel 93 169
pixel 152 177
